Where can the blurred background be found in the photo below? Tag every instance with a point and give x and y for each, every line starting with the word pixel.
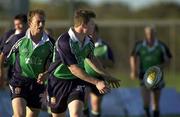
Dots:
pixel 121 24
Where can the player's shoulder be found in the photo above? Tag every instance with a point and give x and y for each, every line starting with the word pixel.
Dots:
pixel 16 37
pixel 64 38
pixel 161 43
pixel 9 33
pixel 139 42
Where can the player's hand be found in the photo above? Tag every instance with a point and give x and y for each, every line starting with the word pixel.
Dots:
pixel 103 87
pixel 133 75
pixel 113 82
pixel 42 77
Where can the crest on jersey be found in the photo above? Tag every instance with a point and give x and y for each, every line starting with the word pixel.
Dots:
pixel 17 90
pixel 53 100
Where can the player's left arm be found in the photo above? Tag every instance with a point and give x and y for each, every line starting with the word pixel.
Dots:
pixel 98 67
pixel 42 77
pixel 166 56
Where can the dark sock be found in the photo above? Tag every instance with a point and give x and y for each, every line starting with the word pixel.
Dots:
pixel 147 112
pixel 86 112
pixel 156 113
pixel 95 114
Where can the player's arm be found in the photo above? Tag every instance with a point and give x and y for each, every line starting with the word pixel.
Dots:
pixel 109 62
pixel 166 56
pixel 2 59
pixel 97 66
pixel 42 77
pixel 6 52
pixel 134 61
pixel 133 67
pixel 80 73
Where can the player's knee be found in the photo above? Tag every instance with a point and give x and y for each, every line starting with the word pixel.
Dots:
pixel 19 114
pixel 76 114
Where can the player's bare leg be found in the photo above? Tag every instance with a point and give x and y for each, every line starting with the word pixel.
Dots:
pixel 155 102
pixel 32 112
pixel 59 114
pixel 75 108
pixel 95 105
pixel 146 100
pixel 19 107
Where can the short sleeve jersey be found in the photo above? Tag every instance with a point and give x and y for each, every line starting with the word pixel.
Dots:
pixel 69 50
pixel 150 56
pixel 30 59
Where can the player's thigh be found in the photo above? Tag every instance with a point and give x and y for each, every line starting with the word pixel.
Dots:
pixel 156 97
pixel 19 106
pixel 32 112
pixel 145 94
pixel 75 108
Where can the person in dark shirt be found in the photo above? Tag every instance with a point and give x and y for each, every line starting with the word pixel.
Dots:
pixel 147 53
pixel 20 26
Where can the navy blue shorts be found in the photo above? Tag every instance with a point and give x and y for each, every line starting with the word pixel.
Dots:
pixel 28 89
pixel 61 92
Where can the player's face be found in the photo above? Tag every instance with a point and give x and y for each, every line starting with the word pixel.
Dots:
pixel 19 25
pixel 149 34
pixel 89 27
pixel 37 24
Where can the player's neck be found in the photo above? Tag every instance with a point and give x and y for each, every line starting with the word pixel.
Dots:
pixel 36 37
pixel 79 34
pixel 150 42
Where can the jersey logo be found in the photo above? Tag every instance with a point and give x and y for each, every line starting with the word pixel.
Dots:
pixel 80 88
pixel 53 100
pixel 17 90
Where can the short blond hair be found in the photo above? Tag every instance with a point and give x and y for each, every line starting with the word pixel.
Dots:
pixel 32 13
pixel 83 17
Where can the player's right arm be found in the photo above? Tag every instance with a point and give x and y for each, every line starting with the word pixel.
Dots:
pixel 133 67
pixel 1 69
pixel 8 48
pixel 134 61
pixel 80 73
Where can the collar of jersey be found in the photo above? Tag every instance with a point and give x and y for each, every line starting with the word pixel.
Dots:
pixel 44 38
pixel 154 45
pixel 75 39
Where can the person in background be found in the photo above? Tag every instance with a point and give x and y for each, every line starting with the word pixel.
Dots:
pixel 146 53
pixel 104 54
pixel 20 26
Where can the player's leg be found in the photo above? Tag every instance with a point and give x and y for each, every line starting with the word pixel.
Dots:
pixel 32 112
pixel 58 92
pixel 155 102
pixel 58 114
pixel 95 105
pixel 75 108
pixel 146 100
pixel 86 106
pixel 34 99
pixel 19 107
